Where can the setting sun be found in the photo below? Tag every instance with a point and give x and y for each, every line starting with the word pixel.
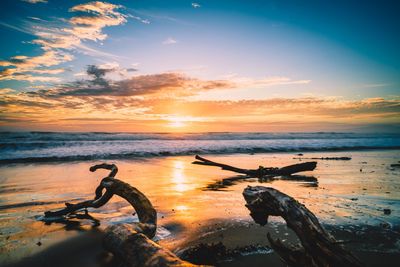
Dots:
pixel 176 124
pixel 182 121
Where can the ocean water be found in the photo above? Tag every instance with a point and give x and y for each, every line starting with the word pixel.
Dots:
pixel 51 146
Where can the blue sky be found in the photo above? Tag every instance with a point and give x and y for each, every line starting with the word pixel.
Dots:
pixel 347 50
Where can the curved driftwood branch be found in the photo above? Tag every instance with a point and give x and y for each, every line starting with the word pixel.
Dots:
pixel 318 248
pixel 261 171
pixel 99 199
pixel 130 243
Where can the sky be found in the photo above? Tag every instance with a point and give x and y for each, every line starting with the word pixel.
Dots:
pixel 204 66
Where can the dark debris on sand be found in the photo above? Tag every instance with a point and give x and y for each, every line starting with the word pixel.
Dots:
pixel 214 253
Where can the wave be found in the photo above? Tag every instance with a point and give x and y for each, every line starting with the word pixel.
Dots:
pixel 54 147
pixel 44 137
pixel 144 154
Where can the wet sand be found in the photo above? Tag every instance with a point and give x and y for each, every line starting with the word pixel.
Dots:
pixel 349 199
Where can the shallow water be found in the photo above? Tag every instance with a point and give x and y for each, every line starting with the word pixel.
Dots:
pixel 350 193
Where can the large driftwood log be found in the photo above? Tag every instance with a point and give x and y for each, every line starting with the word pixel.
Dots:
pixel 136 249
pixel 261 171
pixel 131 244
pixel 318 247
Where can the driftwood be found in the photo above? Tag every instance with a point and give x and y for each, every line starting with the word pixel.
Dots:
pixel 327 158
pixel 261 171
pixel 318 247
pixel 130 243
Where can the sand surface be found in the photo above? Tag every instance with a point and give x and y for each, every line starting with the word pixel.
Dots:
pixel 349 200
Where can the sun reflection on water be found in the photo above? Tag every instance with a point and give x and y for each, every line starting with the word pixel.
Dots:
pixel 178 177
pixel 181 208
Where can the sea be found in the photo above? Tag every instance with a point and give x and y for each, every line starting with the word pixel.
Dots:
pixel 25 147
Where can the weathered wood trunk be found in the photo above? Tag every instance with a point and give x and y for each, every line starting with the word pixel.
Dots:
pixel 137 250
pixel 318 247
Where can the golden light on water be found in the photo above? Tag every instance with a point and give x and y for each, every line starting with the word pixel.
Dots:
pixel 178 177
pixel 181 208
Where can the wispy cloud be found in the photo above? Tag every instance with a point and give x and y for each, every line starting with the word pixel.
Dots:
pixel 35 1
pixel 57 41
pixel 196 5
pixel 169 41
pixel 140 19
pixel 374 85
pixel 16 28
pixel 267 81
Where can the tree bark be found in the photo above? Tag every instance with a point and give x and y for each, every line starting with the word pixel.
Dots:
pixel 318 247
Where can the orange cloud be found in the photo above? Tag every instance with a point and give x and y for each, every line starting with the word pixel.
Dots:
pixel 154 100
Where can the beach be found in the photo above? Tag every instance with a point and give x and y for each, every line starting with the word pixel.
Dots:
pixel 349 198
pixel 201 133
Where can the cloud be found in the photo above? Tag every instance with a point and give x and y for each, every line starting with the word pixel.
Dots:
pixel 140 19
pixel 267 81
pixel 169 41
pixel 5 91
pixel 16 28
pixel 56 41
pixel 211 115
pixel 157 97
pixel 160 85
pixel 374 85
pixel 284 110
pixel 196 5
pixel 22 67
pixel 157 85
pixel 35 1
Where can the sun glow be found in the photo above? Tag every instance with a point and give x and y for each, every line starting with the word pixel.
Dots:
pixel 183 121
pixel 176 124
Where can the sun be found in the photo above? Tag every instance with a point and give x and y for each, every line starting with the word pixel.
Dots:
pixel 176 124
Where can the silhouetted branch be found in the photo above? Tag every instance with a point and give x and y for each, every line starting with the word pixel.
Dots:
pixel 261 171
pixel 328 158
